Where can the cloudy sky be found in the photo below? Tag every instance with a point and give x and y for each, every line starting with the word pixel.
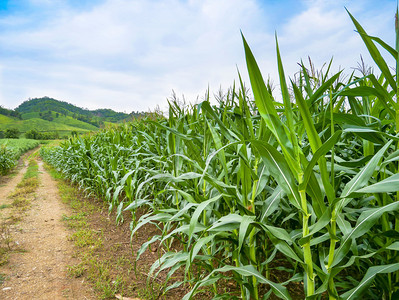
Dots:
pixel 129 55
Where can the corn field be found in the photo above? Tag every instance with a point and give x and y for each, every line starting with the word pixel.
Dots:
pixel 306 188
pixel 11 150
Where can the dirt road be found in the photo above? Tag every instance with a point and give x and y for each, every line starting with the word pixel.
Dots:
pixel 38 270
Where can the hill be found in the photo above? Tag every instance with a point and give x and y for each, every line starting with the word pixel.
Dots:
pixel 46 104
pixel 48 115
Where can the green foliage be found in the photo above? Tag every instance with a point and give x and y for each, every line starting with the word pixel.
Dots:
pixel 11 150
pixel 36 135
pixel 53 118
pixel 11 133
pixel 7 159
pixel 45 106
pixel 307 187
pixel 44 126
pixel 9 112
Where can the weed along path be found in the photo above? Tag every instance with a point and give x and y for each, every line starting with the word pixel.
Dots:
pixel 40 252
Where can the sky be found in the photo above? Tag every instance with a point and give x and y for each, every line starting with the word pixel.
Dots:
pixel 132 55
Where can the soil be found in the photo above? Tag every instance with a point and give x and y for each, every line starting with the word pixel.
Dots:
pixel 39 269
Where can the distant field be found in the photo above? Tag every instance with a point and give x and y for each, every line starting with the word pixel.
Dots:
pixel 11 150
pixel 19 145
pixel 5 120
pixel 80 125
pixel 61 119
pixel 65 125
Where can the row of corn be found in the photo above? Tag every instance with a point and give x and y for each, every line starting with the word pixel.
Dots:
pixel 267 195
pixel 11 150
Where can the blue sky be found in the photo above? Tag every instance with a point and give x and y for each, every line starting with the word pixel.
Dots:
pixel 129 55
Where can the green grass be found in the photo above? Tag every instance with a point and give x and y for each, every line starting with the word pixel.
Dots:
pixel 75 123
pixel 42 126
pixel 5 120
pixel 63 120
pixel 30 115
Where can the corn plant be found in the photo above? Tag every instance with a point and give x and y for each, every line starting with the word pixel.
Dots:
pixel 11 150
pixel 247 187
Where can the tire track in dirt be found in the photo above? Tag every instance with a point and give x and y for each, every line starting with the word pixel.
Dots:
pixel 41 271
pixel 7 185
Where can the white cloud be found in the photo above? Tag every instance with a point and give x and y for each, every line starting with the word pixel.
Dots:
pixel 130 54
pixel 120 46
pixel 323 30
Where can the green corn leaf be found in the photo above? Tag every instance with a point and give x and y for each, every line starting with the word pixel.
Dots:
pixel 319 225
pixel 347 119
pixel 145 245
pixel 279 233
pixel 198 246
pixel 249 270
pixel 365 221
pixel 388 185
pixel 314 140
pixel 364 175
pixel 218 144
pixel 319 153
pixel 377 90
pixel 323 88
pixel 282 246
pixel 271 203
pixel 227 223
pixel 368 134
pixel 394 246
pixel 384 45
pixel 148 218
pixel 206 107
pixel 184 229
pixel 368 279
pixel 313 137
pixel 265 105
pixel 198 211
pixel 208 280
pixel 286 99
pixel 171 261
pixel 375 54
pixel 278 167
pixel 137 203
pixel 246 221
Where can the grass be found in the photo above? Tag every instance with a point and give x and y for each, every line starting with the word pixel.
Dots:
pixel 22 195
pixel 6 120
pixel 47 126
pixel 67 120
pixel 21 201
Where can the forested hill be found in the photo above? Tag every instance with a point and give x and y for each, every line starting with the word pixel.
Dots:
pixel 46 104
pixel 47 118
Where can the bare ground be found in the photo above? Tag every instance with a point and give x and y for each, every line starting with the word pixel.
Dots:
pixel 39 271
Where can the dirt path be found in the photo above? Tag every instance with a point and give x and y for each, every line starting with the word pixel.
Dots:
pixel 41 271
pixel 8 185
